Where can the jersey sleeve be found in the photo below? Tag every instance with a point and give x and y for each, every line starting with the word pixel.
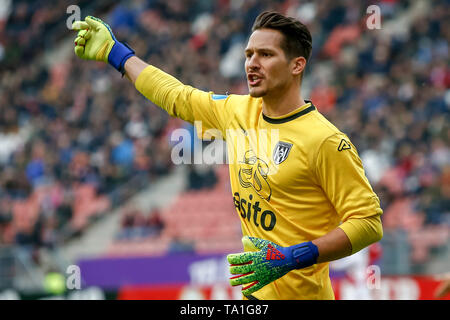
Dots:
pixel 205 110
pixel 340 173
pixel 363 232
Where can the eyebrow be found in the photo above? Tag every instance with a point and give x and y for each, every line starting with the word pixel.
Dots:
pixel 266 49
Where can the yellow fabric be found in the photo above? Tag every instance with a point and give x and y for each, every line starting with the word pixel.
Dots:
pixel 363 232
pixel 319 184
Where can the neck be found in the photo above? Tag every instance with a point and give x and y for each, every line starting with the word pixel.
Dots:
pixel 279 105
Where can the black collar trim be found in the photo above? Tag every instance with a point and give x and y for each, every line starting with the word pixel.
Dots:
pixel 292 117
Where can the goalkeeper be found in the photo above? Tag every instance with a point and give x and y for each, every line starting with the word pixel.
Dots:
pixel 304 199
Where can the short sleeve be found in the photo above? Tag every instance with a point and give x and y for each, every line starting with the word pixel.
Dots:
pixel 340 173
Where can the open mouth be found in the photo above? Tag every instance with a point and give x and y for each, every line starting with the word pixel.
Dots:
pixel 254 79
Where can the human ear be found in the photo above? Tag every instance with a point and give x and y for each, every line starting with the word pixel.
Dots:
pixel 298 65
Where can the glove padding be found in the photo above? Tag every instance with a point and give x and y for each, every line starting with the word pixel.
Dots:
pixel 264 261
pixel 95 41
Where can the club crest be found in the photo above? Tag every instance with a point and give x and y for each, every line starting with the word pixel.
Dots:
pixel 281 151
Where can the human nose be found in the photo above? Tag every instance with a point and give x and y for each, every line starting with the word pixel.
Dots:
pixel 252 63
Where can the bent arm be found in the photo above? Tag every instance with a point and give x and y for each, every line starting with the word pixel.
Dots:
pixel 349 238
pixel 341 175
pixel 332 246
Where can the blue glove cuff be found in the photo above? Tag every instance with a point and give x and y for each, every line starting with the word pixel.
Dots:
pixel 304 254
pixel 119 54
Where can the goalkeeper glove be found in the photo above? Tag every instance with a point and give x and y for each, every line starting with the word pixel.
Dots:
pixel 95 41
pixel 265 261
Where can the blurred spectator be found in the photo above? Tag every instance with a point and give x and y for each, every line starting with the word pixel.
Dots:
pixel 127 223
pixel 201 177
pixel 180 245
pixel 6 217
pixel 135 225
pixel 155 223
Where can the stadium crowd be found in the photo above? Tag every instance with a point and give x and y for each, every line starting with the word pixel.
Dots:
pixel 387 89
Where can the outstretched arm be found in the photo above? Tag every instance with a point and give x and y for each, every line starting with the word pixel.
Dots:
pixel 133 68
pixel 96 41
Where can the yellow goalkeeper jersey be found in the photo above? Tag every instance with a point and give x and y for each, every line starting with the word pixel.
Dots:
pixel 294 178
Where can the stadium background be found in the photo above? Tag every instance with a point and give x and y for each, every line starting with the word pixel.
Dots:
pixel 86 174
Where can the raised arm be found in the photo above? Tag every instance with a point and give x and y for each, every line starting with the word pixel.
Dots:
pixel 133 68
pixel 96 41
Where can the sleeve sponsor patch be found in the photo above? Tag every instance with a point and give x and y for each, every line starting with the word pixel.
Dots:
pixel 219 96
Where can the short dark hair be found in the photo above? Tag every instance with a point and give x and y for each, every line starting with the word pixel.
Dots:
pixel 297 38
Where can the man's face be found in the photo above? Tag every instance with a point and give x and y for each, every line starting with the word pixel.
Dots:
pixel 267 68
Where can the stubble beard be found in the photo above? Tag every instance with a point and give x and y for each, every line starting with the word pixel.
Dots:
pixel 257 92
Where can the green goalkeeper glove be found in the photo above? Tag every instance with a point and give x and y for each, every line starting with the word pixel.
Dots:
pixel 95 41
pixel 264 261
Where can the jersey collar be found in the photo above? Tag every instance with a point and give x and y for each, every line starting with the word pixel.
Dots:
pixel 306 108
